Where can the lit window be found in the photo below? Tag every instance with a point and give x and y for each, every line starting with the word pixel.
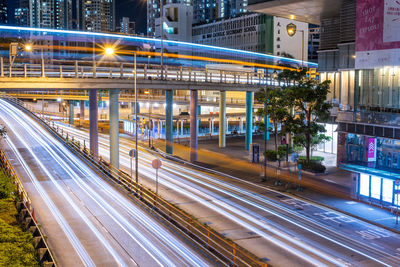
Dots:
pixel 364 184
pixel 376 187
pixel 387 190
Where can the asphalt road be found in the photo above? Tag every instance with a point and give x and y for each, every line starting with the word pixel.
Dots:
pixel 87 221
pixel 281 229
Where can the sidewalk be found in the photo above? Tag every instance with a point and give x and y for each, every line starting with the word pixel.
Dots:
pixel 334 190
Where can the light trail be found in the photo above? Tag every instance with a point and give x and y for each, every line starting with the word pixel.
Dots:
pixel 76 244
pixel 54 148
pixel 154 41
pixel 193 176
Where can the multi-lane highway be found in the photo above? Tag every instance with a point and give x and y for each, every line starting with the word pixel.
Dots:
pixel 88 222
pixel 284 230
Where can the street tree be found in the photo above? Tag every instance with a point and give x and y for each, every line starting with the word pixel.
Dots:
pixel 308 97
pixel 275 106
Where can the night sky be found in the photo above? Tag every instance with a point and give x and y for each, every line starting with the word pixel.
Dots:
pixel 135 9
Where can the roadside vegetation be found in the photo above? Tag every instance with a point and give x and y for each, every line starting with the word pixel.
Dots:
pixel 299 106
pixel 16 247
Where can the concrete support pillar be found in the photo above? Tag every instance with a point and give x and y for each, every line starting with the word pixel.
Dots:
pixel 241 125
pixel 193 125
pixel 222 119
pixel 114 128
pixel 168 121
pixel 198 120
pixel 182 128
pixel 82 112
pixel 209 126
pixel 227 125
pixel 71 112
pixel 93 124
pixel 212 126
pixel 249 120
pixel 159 129
pixel 177 128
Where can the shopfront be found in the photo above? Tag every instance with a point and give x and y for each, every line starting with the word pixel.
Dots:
pixel 375 185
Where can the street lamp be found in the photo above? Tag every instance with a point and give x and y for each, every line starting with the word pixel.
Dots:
pixel 161 41
pixel 110 51
pixel 291 31
pixel 28 47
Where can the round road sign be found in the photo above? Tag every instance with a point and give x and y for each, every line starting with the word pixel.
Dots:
pixel 156 163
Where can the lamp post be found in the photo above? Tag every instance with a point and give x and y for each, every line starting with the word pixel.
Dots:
pixel 291 31
pixel 109 51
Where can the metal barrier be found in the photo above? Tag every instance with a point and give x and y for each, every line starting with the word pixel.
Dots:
pixel 26 211
pixel 223 250
pixel 86 69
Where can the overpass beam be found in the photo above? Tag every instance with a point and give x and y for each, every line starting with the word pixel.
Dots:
pixel 71 112
pixel 82 112
pixel 168 121
pixel 93 124
pixel 114 128
pixel 249 119
pixel 222 119
pixel 193 125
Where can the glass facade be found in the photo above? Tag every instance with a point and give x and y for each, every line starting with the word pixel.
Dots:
pixel 378 88
pixel 377 188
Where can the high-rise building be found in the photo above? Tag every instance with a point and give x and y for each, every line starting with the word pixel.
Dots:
pixel 254 32
pixel 127 26
pixel 99 15
pixel 53 14
pixel 91 15
pixel 205 11
pixel 153 13
pixel 3 12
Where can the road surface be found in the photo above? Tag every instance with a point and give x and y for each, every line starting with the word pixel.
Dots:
pixel 280 228
pixel 87 221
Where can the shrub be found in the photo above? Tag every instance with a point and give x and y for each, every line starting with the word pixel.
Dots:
pixel 271 155
pixel 313 166
pixel 318 159
pixel 6 186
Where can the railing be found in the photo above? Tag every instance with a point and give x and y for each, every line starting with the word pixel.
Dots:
pixel 76 94
pixel 223 250
pixel 370 117
pixel 26 212
pixel 85 69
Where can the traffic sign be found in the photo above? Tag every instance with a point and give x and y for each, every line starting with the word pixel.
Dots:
pixel 132 153
pixel 156 163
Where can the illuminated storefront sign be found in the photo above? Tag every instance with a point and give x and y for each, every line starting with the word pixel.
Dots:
pixel 371 149
pixel 377 33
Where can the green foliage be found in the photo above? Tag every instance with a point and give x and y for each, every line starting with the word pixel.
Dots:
pixel 16 248
pixel 6 186
pixel 312 166
pixel 275 106
pixel 308 97
pixel 8 212
pixel 313 159
pixel 271 155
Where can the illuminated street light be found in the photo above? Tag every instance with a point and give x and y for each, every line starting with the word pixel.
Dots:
pixel 109 51
pixel 28 47
pixel 291 31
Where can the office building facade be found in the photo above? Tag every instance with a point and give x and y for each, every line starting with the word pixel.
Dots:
pixel 254 32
